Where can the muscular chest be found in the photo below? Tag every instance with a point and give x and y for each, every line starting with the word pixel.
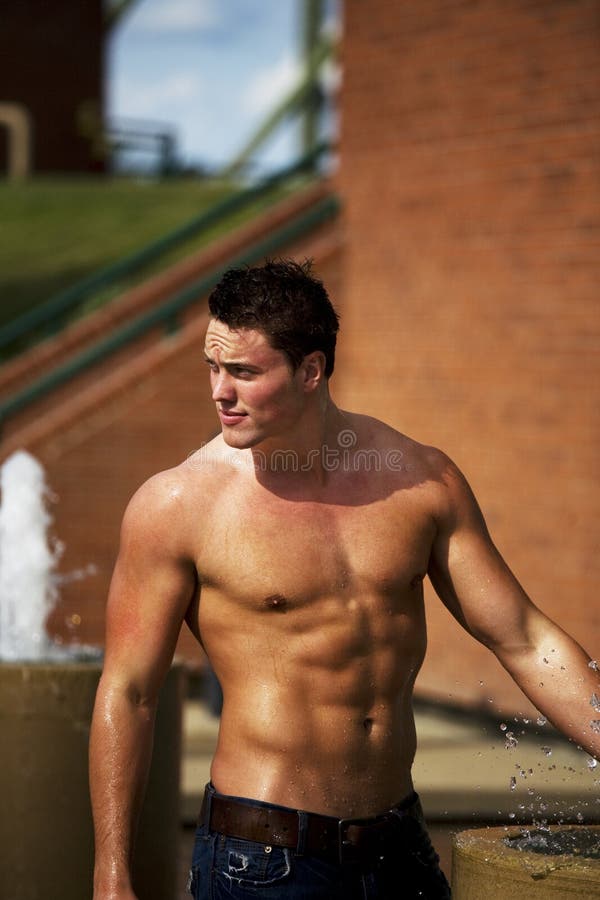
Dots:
pixel 303 551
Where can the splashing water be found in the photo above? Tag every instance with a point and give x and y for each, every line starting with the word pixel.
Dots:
pixel 557 843
pixel 28 584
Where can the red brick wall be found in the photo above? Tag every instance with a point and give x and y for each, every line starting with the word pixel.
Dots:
pixel 158 412
pixel 96 463
pixel 470 168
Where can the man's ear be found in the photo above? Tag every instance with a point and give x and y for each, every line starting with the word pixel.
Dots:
pixel 313 370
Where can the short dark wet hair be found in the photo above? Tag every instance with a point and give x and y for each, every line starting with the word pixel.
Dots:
pixel 284 300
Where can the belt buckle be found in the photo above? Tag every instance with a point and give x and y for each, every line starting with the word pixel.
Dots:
pixel 373 826
pixel 343 842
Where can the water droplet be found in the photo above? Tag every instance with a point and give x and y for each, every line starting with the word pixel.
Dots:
pixel 595 702
pixel 541 720
pixel 511 815
pixel 547 751
pixel 73 621
pixel 510 741
pixel 592 763
pixel 502 727
pixel 595 725
pixel 594 665
pixel 512 783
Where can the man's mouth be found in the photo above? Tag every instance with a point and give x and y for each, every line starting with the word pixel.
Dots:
pixel 230 416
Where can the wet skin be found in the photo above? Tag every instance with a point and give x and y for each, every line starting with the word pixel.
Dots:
pixel 295 545
pixel 313 620
pixel 311 613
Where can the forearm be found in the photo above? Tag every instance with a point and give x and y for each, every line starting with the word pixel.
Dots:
pixel 120 754
pixel 555 673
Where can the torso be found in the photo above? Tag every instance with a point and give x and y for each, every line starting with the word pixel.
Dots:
pixel 311 612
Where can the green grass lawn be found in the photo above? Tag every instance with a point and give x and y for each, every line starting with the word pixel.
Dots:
pixel 54 232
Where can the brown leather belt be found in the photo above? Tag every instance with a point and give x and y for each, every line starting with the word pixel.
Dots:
pixel 338 840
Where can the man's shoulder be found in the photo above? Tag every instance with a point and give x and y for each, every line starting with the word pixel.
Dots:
pixel 155 507
pixel 404 462
pixel 187 485
pixel 214 457
pixel 371 432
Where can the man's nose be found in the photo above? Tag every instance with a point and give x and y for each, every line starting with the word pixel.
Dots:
pixel 223 387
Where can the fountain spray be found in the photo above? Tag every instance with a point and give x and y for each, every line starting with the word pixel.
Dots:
pixel 27 561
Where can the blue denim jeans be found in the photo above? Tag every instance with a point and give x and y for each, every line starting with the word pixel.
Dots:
pixel 227 868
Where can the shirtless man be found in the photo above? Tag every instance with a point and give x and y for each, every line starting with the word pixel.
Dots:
pixel 294 546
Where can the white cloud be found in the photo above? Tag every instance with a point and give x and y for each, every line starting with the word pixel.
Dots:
pixel 175 15
pixel 160 98
pixel 270 85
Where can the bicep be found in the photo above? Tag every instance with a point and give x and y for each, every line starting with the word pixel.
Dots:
pixel 471 577
pixel 151 588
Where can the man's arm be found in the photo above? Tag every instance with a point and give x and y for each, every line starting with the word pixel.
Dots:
pixel 151 589
pixel 476 585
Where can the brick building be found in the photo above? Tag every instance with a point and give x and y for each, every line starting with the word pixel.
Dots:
pixel 470 171
pixel 466 272
pixel 51 70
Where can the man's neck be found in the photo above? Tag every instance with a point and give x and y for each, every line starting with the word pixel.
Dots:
pixel 306 453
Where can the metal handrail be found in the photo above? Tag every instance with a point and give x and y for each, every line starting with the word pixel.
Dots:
pixel 169 311
pixel 61 304
pixel 298 98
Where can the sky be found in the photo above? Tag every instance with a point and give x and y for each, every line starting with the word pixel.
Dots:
pixel 209 69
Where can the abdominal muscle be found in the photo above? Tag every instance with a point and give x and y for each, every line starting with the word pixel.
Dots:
pixel 318 717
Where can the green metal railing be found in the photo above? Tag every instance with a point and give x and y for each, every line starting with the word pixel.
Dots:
pixel 169 312
pixel 300 100
pixel 57 308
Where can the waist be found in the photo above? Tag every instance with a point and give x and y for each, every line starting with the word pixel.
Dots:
pixel 293 762
pixel 308 833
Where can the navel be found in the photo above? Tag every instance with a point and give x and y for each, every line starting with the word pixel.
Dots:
pixel 368 725
pixel 276 601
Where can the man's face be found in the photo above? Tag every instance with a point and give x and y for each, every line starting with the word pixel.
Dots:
pixel 257 394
